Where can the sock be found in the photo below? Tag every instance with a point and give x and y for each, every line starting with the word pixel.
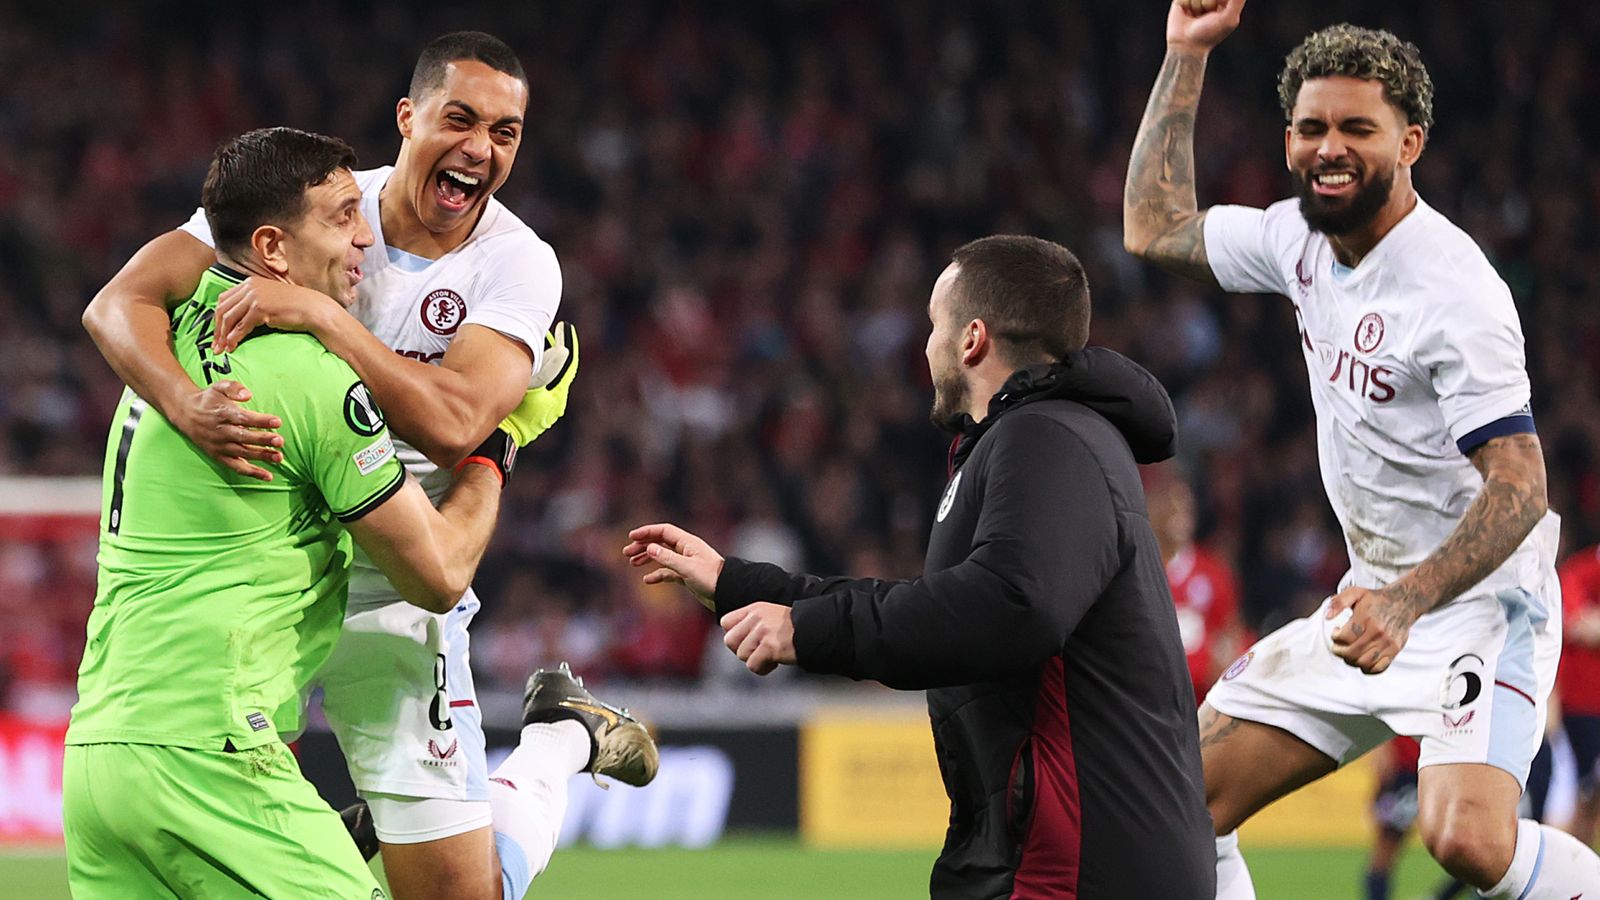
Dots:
pixel 528 797
pixel 1548 864
pixel 1233 878
pixel 1377 885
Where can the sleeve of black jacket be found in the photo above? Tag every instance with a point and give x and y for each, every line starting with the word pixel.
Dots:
pixel 1044 549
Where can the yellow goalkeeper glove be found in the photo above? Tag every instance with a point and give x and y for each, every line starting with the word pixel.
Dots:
pixel 546 400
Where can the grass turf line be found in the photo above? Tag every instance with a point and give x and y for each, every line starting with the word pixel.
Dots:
pixel 782 869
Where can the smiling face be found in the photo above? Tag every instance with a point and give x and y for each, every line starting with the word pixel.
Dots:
pixel 324 249
pixel 460 141
pixel 1346 146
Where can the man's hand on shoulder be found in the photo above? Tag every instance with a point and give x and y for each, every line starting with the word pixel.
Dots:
pixel 257 302
pixel 213 420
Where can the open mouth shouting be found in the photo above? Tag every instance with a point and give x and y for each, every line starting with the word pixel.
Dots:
pixel 455 189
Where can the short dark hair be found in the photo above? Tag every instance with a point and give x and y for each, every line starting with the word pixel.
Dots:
pixel 260 178
pixel 1366 53
pixel 428 76
pixel 1031 293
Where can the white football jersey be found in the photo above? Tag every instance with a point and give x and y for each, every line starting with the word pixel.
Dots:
pixel 1413 355
pixel 503 277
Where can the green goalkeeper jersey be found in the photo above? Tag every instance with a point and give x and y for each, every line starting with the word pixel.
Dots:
pixel 219 595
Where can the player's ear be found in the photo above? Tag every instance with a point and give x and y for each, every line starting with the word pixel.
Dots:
pixel 269 243
pixel 404 111
pixel 1411 144
pixel 1288 138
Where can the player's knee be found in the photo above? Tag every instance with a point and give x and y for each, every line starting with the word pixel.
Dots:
pixel 1469 848
pixel 457 868
pixel 444 880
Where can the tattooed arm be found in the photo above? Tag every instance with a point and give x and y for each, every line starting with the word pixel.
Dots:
pixel 1161 220
pixel 1511 503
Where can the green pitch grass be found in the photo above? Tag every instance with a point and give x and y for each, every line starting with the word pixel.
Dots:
pixel 780 869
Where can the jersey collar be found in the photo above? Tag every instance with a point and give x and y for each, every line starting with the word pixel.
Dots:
pixel 231 274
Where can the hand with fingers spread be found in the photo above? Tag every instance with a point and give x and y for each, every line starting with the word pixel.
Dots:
pixel 257 302
pixel 680 557
pixel 1377 628
pixel 213 420
pixel 1202 24
pixel 761 635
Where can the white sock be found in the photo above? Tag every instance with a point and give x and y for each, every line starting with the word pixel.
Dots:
pixel 1548 864
pixel 1233 877
pixel 528 797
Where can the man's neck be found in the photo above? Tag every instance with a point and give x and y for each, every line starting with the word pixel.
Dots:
pixel 249 267
pixel 983 386
pixel 1350 249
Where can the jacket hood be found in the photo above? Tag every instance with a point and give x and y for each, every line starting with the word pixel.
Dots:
pixel 1107 382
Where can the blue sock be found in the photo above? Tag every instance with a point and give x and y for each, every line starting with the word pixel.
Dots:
pixel 1377 886
pixel 514 874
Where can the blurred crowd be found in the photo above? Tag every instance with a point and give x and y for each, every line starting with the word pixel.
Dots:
pixel 750 203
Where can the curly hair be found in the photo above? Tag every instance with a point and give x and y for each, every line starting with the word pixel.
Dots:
pixel 1365 53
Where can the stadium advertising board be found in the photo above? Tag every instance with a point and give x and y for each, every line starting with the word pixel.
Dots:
pixel 30 780
pixel 711 781
pixel 870 781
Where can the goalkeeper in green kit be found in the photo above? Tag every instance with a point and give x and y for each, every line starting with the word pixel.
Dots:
pixel 220 595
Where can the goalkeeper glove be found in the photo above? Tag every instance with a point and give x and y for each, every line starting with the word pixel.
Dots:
pixel 546 400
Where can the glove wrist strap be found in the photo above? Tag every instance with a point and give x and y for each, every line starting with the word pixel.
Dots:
pixel 482 461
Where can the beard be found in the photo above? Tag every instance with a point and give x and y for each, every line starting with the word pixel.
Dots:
pixel 1344 216
pixel 950 395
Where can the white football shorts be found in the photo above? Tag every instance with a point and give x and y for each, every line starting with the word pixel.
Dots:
pixel 398 694
pixel 1471 683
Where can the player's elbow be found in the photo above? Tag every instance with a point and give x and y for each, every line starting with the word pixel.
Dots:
pixel 1141 228
pixel 459 582
pixel 93 318
pixel 442 594
pixel 433 582
pixel 1134 240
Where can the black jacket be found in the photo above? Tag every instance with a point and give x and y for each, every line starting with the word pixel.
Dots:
pixel 1044 633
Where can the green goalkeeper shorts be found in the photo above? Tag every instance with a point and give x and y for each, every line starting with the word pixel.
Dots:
pixel 149 821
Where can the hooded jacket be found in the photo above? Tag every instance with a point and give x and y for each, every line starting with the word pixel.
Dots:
pixel 1044 634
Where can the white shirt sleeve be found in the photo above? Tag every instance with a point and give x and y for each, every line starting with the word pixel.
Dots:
pixel 1473 354
pixel 521 294
pixel 1245 246
pixel 199 228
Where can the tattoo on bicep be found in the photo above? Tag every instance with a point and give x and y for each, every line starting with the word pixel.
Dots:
pixel 1508 507
pixel 1160 193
